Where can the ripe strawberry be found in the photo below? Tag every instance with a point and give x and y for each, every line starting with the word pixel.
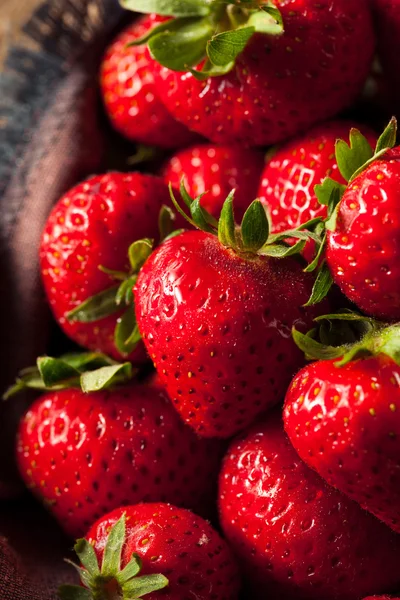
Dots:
pixel 216 315
pixel 86 454
pixel 178 554
pixel 287 76
pixel 217 170
pixel 363 244
pixel 289 178
pixel 298 538
pixel 382 598
pixel 387 19
pixel 93 225
pixel 342 416
pixel 130 94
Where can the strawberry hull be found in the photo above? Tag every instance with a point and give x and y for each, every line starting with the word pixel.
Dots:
pixel 298 538
pixel 218 328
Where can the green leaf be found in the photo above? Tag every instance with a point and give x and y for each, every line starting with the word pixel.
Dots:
pixel 113 549
pixel 346 316
pixel 87 360
pixel 125 328
pixel 314 350
pixel 314 264
pixel 200 216
pixel 210 70
pixel 324 190
pixel 186 197
pixel 87 556
pixel 225 47
pixel 177 206
pixel 124 295
pixel 255 227
pixel 139 252
pixel 95 308
pixel 166 222
pixel 368 163
pixel 74 592
pixel 132 569
pixel 388 138
pixel 226 223
pixel 174 234
pixel 54 371
pixel 268 20
pixel 282 250
pixel 184 48
pixel 169 8
pixel 94 381
pixel 147 584
pixel 119 275
pixel 322 285
pixel 351 158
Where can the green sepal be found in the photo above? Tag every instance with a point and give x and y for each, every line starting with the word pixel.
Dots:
pixel 174 234
pixel 267 20
pixel 139 252
pixel 132 569
pixel 166 222
pixel 127 335
pixel 169 8
pixel 210 70
pixel 316 261
pixel 224 48
pixel 314 350
pixel 88 371
pixel 226 223
pixel 96 307
pixel 183 48
pixel 351 157
pixel 124 295
pixel 388 138
pixel 325 190
pixel 147 584
pixel 200 216
pixel 106 377
pixel 145 154
pixel 254 227
pixel 117 275
pixel 322 285
pixel 177 205
pixel 113 549
pixel 74 592
pixel 87 556
pixel 282 250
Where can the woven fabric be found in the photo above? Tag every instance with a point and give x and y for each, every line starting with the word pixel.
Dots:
pixel 49 138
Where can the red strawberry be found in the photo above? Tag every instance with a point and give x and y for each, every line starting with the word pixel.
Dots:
pixel 363 244
pixel 283 81
pixel 387 19
pixel 289 178
pixel 86 454
pixel 130 94
pixel 298 538
pixel 216 315
pixel 178 554
pixel 381 598
pixel 342 417
pixel 217 170
pixel 93 225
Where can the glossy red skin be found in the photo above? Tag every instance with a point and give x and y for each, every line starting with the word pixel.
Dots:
pixel 280 85
pixel 345 423
pixel 289 178
pixel 218 328
pixel 94 224
pixel 382 598
pixel 84 455
pixel 217 170
pixel 130 94
pixel 387 21
pixel 298 538
pixel 178 544
pixel 363 252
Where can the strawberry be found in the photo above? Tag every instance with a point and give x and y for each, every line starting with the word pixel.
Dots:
pixel 381 598
pixel 93 226
pixel 289 178
pixel 216 314
pixel 387 19
pixel 84 454
pixel 298 538
pixel 130 93
pixel 177 553
pixel 342 416
pixel 268 73
pixel 217 170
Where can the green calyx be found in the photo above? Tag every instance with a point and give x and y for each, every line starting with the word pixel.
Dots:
pixel 352 159
pixel 213 32
pixel 253 236
pixel 119 296
pixel 349 336
pixel 88 371
pixel 110 581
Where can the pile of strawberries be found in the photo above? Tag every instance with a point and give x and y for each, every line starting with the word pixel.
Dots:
pixel 228 270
